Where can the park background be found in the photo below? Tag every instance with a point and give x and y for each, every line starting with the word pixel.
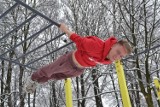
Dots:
pixel 138 21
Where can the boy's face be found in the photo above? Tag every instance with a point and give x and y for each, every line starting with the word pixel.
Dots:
pixel 117 52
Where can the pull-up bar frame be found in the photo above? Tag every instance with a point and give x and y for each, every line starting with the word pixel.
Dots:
pixel 35 13
pixel 119 68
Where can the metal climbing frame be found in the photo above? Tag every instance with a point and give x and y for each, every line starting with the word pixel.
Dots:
pixel 28 65
pixel 35 14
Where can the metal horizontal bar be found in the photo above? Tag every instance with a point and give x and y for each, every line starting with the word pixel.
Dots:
pixel 72 42
pixel 6 12
pixel 2 58
pixel 48 54
pixel 146 50
pixel 37 12
pixel 39 46
pixel 17 27
pixel 26 39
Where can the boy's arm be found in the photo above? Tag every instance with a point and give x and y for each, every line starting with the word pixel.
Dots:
pixel 65 29
pixel 82 43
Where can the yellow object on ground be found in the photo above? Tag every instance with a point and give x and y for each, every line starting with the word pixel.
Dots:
pixel 122 84
pixel 157 85
pixel 68 92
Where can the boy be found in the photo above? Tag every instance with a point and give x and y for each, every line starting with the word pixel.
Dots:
pixel 90 51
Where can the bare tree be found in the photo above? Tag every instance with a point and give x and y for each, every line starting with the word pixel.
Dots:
pixel 137 21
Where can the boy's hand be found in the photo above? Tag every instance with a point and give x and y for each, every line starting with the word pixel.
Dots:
pixel 65 29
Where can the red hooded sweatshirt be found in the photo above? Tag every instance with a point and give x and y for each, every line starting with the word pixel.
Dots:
pixel 91 50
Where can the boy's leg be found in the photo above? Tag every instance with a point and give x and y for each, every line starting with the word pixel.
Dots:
pixel 68 69
pixel 62 68
pixel 43 74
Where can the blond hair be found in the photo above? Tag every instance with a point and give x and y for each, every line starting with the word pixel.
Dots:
pixel 127 45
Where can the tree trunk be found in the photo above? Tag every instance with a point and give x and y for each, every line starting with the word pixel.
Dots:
pixel 53 99
pixel 148 93
pixel 96 89
pixel 8 81
pixel 77 82
pixel 137 99
pixel 82 91
pixel 24 49
pixel 34 99
pixel 116 94
pixel 2 85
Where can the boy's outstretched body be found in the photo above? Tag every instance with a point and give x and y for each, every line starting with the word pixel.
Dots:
pixel 90 51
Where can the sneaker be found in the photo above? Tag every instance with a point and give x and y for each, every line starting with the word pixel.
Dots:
pixel 30 85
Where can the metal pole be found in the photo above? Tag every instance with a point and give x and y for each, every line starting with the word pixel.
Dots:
pixel 40 46
pixel 29 63
pixel 29 38
pixel 18 63
pixel 6 12
pixel 33 16
pixel 68 92
pixel 37 12
pixel 122 84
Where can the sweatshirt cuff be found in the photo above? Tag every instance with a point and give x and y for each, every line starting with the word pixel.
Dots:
pixel 73 35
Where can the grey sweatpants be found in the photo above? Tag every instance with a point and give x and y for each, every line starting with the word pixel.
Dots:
pixel 62 68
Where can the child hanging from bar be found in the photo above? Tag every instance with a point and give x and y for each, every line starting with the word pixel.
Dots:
pixel 90 51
